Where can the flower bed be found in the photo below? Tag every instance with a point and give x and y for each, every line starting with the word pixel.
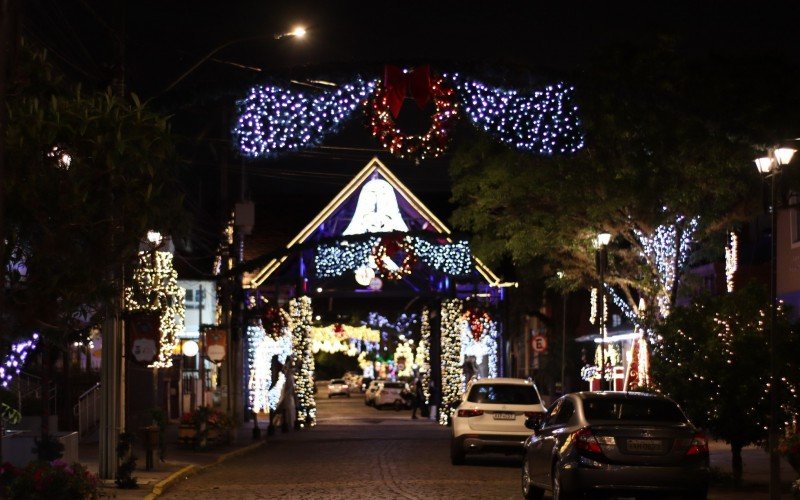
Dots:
pixel 54 480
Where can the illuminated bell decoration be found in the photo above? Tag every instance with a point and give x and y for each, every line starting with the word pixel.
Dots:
pixel 364 275
pixel 376 211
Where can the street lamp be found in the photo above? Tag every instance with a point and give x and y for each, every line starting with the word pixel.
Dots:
pixel 561 275
pixel 770 166
pixel 601 258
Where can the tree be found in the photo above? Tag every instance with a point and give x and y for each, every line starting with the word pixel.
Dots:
pixel 87 174
pixel 663 149
pixel 710 358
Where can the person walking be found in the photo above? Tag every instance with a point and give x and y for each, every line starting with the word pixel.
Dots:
pixel 417 398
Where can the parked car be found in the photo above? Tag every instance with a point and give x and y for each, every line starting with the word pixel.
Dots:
pixel 338 387
pixel 615 442
pixel 392 394
pixel 491 417
pixel 372 388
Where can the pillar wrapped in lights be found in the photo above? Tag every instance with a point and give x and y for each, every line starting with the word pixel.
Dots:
pixel 423 358
pixel 154 287
pixel 301 314
pixel 479 339
pixel 262 347
pixel 452 371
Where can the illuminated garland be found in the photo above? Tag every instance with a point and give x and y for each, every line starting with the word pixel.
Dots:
pixel 262 346
pixel 423 359
pixel 638 366
pixel 155 288
pixel 335 259
pixel 544 122
pixel 385 253
pixel 452 371
pixel 274 321
pixel 479 339
pixel 350 340
pixel 12 364
pixel 300 313
pixel 273 120
pixel 731 261
pixel 418 147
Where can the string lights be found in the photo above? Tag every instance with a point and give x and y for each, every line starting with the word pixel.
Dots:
pixel 337 258
pixel 300 313
pixel 262 347
pixel 423 359
pixel 12 364
pixel 731 260
pixel 351 340
pixel 452 372
pixel 544 122
pixel 274 120
pixel 479 339
pixel 154 287
pixel 404 359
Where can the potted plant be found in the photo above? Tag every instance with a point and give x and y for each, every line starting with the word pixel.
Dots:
pixel 187 429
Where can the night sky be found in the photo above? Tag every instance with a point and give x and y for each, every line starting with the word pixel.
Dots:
pixel 529 41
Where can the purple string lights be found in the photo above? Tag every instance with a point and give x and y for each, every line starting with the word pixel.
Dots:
pixel 16 358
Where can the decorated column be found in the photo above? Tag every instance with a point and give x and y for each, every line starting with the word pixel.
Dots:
pixel 301 314
pixel 452 373
pixel 423 358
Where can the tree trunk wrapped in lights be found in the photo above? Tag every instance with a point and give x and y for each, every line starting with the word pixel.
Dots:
pixel 452 373
pixel 300 313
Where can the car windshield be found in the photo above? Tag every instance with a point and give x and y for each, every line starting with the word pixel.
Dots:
pixel 512 394
pixel 622 408
pixel 337 381
pixel 394 385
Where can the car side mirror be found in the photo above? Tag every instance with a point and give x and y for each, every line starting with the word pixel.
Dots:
pixel 534 423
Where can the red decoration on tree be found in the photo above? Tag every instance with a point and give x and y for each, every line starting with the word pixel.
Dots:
pixel 274 321
pixel 417 147
pixel 476 318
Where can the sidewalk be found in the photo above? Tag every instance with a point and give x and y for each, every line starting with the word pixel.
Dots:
pixel 755 477
pixel 180 461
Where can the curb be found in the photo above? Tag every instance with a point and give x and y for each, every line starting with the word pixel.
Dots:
pixel 190 470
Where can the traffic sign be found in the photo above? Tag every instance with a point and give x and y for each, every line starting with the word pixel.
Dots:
pixel 539 343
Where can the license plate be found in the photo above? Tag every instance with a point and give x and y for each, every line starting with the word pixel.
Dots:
pixel 498 415
pixel 644 445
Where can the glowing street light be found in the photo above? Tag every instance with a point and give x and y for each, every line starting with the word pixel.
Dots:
pixel 770 166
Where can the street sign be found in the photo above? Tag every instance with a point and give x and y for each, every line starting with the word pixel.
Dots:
pixel 539 343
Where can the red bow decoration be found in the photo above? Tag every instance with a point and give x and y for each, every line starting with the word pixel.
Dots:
pixel 398 83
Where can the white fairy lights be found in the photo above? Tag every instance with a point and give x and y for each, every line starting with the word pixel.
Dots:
pixel 452 372
pixel 423 359
pixel 273 120
pixel 484 349
pixel 731 260
pixel 154 287
pixel 300 313
pixel 544 122
pixel 264 392
pixel 12 364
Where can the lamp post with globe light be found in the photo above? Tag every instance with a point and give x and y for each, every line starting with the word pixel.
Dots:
pixel 770 167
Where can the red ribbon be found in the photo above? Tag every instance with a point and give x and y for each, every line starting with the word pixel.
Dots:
pixel 398 84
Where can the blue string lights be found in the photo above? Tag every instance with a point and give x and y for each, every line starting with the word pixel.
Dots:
pixel 12 364
pixel 335 259
pixel 273 120
pixel 544 122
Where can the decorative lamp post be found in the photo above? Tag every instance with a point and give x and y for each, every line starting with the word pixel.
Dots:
pixel 601 258
pixel 770 166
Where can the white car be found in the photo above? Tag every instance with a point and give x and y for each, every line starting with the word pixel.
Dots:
pixel 492 415
pixel 391 394
pixel 338 387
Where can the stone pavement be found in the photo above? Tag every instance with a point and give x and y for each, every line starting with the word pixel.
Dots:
pixel 182 461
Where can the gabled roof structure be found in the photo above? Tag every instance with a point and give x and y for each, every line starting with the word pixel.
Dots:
pixel 374 202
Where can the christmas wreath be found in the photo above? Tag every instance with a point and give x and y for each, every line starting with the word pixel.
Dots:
pixel 274 320
pixel 385 106
pixel 478 321
pixel 393 248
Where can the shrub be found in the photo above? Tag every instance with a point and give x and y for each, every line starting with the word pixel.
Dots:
pixel 54 480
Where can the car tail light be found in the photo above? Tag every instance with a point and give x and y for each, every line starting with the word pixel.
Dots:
pixel 534 414
pixel 470 413
pixel 699 445
pixel 585 441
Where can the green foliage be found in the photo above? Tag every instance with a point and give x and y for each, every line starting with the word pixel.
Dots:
pixel 75 225
pixel 713 358
pixel 55 480
pixel 9 415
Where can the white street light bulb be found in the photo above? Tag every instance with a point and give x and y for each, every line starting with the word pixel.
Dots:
pixel 603 239
pixel 154 237
pixel 764 164
pixel 299 32
pixel 784 155
pixel 190 348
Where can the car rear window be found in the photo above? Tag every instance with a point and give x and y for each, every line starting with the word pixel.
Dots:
pixel 511 394
pixel 641 409
pixel 394 385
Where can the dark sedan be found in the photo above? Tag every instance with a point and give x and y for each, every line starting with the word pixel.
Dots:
pixel 615 442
